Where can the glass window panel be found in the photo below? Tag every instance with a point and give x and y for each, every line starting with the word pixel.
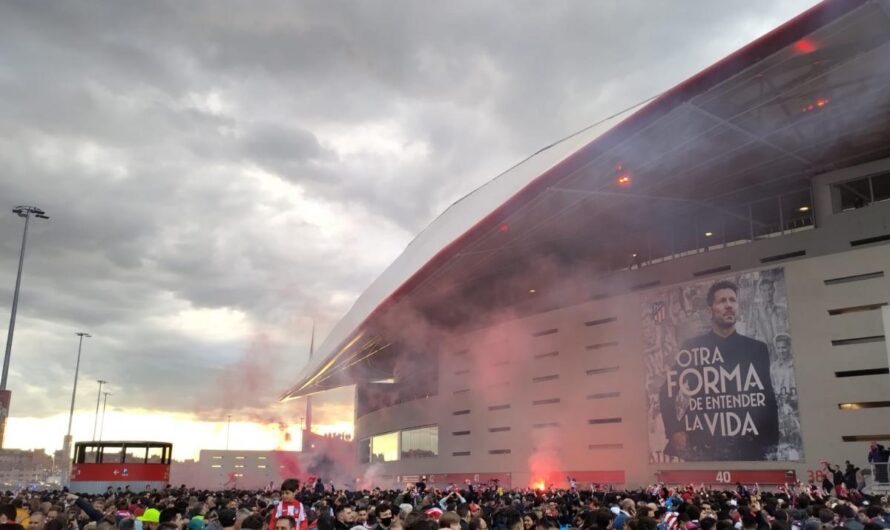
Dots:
pixel 685 237
pixel 134 455
pixel 364 451
pixel 797 210
pixel 385 447
pixel 111 454
pixel 420 443
pixel 765 215
pixel 660 242
pixel 854 194
pixel 710 226
pixel 738 224
pixel 156 455
pixel 880 185
pixel 630 251
pixel 423 382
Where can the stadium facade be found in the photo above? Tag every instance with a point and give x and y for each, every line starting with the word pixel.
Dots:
pixel 693 292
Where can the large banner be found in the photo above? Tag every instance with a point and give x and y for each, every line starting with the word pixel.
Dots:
pixel 719 371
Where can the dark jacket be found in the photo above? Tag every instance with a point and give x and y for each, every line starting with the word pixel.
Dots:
pixel 92 513
pixel 736 417
pixel 878 454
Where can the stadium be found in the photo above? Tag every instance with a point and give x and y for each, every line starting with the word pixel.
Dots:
pixel 694 290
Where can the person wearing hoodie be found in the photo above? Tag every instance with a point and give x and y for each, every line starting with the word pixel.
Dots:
pixel 623 512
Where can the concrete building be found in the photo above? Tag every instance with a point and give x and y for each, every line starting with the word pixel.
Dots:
pixel 21 468
pixel 221 469
pixel 556 321
pixel 331 457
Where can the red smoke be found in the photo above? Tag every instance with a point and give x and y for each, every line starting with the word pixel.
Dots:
pixel 244 383
pixel 244 390
pixel 542 465
pixel 288 465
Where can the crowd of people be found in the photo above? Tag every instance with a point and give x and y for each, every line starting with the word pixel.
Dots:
pixel 296 506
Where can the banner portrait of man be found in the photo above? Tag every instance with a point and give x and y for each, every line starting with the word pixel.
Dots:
pixel 720 374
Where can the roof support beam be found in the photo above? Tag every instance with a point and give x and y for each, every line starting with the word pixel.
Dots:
pixel 750 135
pixel 657 198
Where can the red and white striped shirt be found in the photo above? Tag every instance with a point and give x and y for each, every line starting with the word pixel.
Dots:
pixel 292 509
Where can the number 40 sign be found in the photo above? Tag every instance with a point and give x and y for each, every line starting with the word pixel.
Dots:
pixel 726 476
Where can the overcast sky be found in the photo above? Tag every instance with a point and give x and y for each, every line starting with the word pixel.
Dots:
pixel 221 173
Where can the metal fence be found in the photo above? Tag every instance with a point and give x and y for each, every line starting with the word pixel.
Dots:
pixel 880 472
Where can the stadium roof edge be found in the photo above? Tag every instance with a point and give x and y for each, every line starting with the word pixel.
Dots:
pixel 473 215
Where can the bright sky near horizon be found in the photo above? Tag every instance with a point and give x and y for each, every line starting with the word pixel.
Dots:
pixel 222 174
pixel 187 434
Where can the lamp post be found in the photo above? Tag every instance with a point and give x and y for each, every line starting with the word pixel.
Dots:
pixel 66 443
pixel 5 395
pixel 104 404
pixel 98 400
pixel 80 334
pixel 228 430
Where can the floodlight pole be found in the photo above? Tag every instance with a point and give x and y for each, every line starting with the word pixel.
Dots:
pixel 21 211
pixel 6 395
pixel 104 404
pixel 80 334
pixel 228 430
pixel 98 400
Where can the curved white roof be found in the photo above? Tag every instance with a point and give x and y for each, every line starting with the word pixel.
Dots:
pixel 480 208
pixel 455 221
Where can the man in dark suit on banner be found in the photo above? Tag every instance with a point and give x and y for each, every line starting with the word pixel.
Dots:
pixel 718 401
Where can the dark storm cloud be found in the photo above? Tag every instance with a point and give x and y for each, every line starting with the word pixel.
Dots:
pixel 268 160
pixel 283 149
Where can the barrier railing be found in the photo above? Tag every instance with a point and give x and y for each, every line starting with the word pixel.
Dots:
pixel 880 472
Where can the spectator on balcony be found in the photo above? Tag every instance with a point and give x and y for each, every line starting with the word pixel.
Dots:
pixel 878 456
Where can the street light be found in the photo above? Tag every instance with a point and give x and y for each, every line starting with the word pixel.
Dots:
pixel 98 400
pixel 66 443
pixel 26 212
pixel 104 404
pixel 5 395
pixel 80 334
pixel 228 430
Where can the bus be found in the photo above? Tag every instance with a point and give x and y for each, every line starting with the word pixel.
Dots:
pixel 140 465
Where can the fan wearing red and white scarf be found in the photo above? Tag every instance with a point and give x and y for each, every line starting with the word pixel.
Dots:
pixel 291 509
